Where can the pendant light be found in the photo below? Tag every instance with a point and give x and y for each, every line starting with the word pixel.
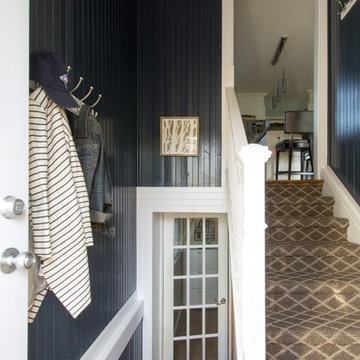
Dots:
pixel 281 83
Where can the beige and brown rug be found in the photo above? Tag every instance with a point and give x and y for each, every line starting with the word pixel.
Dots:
pixel 312 276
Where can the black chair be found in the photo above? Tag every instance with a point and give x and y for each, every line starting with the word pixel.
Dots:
pixel 297 122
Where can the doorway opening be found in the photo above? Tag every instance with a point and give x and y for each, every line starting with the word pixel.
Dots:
pixel 195 287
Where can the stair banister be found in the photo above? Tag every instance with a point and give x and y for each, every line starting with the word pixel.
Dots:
pixel 245 176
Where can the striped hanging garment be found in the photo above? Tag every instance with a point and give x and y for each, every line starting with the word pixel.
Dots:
pixel 58 207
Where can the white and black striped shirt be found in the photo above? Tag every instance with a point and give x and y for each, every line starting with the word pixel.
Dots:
pixel 59 206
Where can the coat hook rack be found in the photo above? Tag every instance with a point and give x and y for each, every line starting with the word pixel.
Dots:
pixel 345 8
pixel 81 79
pixel 97 101
pixel 87 95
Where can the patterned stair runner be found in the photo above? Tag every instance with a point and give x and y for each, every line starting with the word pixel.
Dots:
pixel 312 276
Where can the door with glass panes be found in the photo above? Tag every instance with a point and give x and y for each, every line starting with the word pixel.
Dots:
pixel 195 287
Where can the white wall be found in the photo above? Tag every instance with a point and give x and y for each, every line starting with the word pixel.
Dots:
pixel 259 26
pixel 252 104
pixel 286 105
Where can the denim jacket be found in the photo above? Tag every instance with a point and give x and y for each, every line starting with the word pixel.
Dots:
pixel 88 140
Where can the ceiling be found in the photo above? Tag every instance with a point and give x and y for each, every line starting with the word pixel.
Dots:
pixel 259 26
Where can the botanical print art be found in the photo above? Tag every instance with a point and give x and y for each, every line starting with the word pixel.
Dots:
pixel 179 136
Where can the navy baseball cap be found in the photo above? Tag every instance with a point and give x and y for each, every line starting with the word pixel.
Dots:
pixel 48 70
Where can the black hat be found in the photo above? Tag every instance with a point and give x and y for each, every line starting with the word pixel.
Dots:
pixel 48 70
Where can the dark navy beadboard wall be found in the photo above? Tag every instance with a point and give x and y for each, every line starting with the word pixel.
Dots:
pixel 344 97
pixel 179 74
pixel 99 40
pixel 133 349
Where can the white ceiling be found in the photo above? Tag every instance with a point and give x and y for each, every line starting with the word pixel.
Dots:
pixel 259 26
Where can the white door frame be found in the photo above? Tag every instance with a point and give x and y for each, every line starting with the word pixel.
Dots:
pixel 320 86
pixel 223 282
pixel 14 94
pixel 151 204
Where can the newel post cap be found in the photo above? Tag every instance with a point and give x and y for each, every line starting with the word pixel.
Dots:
pixel 254 153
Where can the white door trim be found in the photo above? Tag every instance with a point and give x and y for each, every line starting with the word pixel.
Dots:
pixel 222 275
pixel 320 86
pixel 14 94
pixel 150 202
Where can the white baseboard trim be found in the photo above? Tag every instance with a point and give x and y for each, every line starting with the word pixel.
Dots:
pixel 112 341
pixel 345 205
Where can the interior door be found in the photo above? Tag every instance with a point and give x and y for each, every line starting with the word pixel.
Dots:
pixel 14 38
pixel 195 287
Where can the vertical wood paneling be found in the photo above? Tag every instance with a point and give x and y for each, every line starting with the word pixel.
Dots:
pixel 98 39
pixel 179 74
pixel 344 97
pixel 134 349
pixel 51 25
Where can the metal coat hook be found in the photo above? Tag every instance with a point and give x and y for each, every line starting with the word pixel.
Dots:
pixel 341 6
pixel 87 95
pixel 81 79
pixel 97 101
pixel 345 8
pixel 68 68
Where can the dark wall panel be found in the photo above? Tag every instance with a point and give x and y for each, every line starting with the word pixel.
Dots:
pixel 51 27
pixel 134 349
pixel 98 39
pixel 179 74
pixel 344 104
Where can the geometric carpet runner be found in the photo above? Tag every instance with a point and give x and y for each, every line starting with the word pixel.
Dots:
pixel 312 276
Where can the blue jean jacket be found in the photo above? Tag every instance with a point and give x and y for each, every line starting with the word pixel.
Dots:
pixel 89 143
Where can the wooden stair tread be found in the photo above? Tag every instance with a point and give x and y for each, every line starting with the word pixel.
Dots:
pixel 296 182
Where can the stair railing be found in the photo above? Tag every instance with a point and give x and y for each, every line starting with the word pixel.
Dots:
pixel 245 185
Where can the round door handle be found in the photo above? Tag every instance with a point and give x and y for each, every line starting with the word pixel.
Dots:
pixel 10 207
pixel 220 301
pixel 11 259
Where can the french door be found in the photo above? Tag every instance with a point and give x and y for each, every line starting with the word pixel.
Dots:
pixel 195 287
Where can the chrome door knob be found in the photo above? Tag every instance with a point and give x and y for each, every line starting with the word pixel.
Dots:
pixel 220 301
pixel 11 260
pixel 11 207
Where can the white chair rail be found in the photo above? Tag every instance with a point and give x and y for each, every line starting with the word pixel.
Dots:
pixel 245 185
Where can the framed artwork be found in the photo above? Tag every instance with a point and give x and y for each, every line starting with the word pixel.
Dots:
pixel 179 136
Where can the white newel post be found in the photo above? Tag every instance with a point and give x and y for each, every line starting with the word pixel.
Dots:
pixel 252 261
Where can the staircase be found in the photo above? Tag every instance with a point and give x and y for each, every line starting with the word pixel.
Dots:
pixel 312 276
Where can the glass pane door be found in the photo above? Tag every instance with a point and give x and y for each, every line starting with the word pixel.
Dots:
pixel 195 288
